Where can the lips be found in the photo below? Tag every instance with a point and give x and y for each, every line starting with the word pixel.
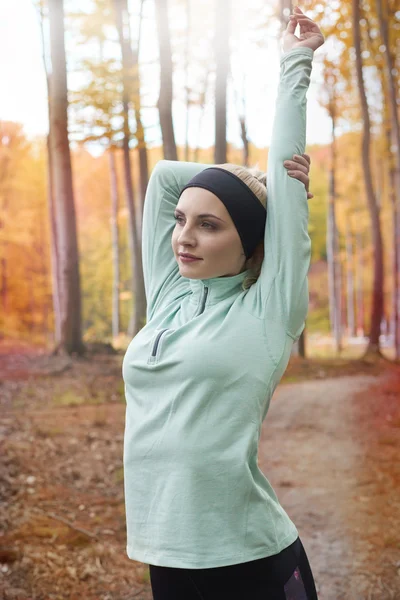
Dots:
pixel 188 256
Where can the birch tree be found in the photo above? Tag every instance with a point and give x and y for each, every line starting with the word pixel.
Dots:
pixel 221 48
pixel 377 292
pixel 129 65
pixel 164 103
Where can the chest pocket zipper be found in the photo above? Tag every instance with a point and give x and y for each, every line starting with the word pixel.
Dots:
pixel 153 356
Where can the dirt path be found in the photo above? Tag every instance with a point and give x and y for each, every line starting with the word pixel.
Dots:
pixel 329 448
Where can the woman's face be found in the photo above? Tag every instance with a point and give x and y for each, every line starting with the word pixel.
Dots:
pixel 212 238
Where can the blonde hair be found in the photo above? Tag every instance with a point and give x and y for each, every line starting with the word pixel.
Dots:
pixel 256 180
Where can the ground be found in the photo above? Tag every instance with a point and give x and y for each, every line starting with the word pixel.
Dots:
pixel 329 447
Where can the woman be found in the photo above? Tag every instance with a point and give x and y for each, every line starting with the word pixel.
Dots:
pixel 200 375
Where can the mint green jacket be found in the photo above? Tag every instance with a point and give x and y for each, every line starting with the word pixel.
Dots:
pixel 199 376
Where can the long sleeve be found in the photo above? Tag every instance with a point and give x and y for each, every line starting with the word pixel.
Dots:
pixel 160 269
pixel 282 288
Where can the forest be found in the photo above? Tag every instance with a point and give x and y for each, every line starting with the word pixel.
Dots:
pixel 112 114
pixel 125 84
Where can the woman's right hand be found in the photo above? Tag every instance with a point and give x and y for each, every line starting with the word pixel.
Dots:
pixel 310 34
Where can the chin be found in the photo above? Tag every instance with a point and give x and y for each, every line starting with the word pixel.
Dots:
pixel 188 271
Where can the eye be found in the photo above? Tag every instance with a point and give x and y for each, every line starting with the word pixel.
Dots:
pixel 209 225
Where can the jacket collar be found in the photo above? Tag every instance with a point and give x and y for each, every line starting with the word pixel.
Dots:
pixel 218 288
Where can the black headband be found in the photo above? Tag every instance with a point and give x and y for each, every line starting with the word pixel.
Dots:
pixel 245 209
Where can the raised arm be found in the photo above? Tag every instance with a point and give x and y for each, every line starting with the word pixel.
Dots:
pixel 282 286
pixel 160 269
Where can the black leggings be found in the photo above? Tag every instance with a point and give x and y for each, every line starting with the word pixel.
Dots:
pixel 283 576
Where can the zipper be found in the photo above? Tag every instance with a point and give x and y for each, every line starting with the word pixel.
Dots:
pixel 157 340
pixel 204 300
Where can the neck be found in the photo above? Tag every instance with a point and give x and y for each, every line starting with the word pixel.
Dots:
pixel 217 289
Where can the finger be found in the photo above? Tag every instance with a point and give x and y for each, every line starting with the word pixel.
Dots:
pixel 301 177
pixel 307 23
pixel 293 165
pixel 307 157
pixel 291 26
pixel 301 15
pixel 309 195
pixel 300 160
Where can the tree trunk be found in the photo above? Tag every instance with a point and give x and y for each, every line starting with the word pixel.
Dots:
pixel 396 250
pixel 54 254
pixel 203 95
pixel 7 132
pixel 164 103
pixel 302 343
pixel 44 275
pixel 351 326
pixel 391 92
pixel 377 299
pixel 115 243
pixel 359 285
pixel 245 139
pixel 138 317
pixel 70 293
pixel 392 134
pixel 130 61
pixel 332 246
pixel 241 110
pixel 133 60
pixel 222 55
pixel 395 313
pixel 186 69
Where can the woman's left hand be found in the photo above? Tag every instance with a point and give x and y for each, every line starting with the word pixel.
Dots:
pixel 310 34
pixel 299 168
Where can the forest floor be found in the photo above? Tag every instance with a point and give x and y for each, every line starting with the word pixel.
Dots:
pixel 329 447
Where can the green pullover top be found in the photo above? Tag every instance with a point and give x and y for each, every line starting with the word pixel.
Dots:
pixel 199 376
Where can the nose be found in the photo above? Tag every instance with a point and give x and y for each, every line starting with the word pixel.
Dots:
pixel 186 237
